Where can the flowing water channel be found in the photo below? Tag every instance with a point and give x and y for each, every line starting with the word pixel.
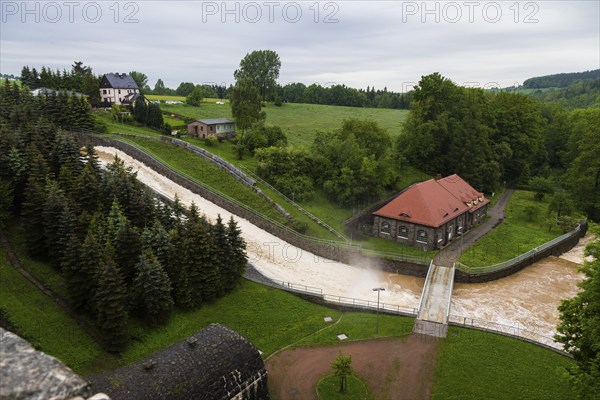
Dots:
pixel 527 299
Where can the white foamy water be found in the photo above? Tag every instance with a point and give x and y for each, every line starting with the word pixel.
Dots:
pixel 527 299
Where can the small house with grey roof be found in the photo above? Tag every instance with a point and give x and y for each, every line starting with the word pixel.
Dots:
pixel 118 89
pixel 220 127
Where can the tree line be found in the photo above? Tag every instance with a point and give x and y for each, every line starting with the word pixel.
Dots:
pixel 496 139
pixel 122 253
pixel 79 79
pixel 341 95
pixel 560 80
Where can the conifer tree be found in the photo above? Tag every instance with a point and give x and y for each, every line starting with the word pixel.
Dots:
pixel 127 247
pixel 236 258
pixel 110 300
pixel 35 198
pixel 54 207
pixel 221 249
pixel 91 260
pixel 151 289
pixel 177 270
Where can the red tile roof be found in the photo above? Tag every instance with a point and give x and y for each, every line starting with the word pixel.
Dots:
pixel 434 202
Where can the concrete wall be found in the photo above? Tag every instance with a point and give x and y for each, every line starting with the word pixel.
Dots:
pixel 555 250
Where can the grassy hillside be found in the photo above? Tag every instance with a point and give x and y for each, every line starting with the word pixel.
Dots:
pixel 301 121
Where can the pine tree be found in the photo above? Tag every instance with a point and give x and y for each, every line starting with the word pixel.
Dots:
pixel 236 257
pixel 177 270
pixel 221 247
pixel 54 207
pixel 110 300
pixel 35 198
pixel 76 279
pixel 91 260
pixel 151 289
pixel 127 247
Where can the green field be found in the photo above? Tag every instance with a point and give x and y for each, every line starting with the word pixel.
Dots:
pixel 516 235
pixel 164 98
pixel 300 122
pixel 478 365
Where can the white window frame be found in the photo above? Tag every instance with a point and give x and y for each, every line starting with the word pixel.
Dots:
pixel 400 235
pixel 385 225
pixel 418 236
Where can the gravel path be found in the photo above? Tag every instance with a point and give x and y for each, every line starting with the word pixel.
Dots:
pixel 453 251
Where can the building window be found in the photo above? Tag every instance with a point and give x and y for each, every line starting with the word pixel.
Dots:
pixel 119 91
pixel 422 236
pixel 104 91
pixel 385 228
pixel 450 231
pixel 403 232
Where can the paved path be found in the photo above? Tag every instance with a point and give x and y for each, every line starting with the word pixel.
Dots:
pixel 453 251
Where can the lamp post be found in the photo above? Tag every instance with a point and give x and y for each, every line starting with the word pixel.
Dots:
pixel 378 290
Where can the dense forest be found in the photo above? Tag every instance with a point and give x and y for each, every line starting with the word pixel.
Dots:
pixel 560 80
pixel 123 254
pixel 579 94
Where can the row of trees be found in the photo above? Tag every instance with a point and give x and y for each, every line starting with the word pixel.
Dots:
pixel 122 253
pixel 18 106
pixel 341 95
pixel 79 79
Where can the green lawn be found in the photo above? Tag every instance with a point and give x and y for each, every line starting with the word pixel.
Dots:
pixel 300 122
pixel 47 326
pixel 516 235
pixel 478 365
pixel 360 326
pixel 328 388
pixel 163 98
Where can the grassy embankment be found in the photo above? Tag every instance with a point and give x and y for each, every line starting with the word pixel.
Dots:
pixel 518 233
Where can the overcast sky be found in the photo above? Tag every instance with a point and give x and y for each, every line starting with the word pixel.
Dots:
pixel 357 43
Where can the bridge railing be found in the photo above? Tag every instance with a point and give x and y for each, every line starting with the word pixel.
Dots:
pixel 516 330
pixel 528 254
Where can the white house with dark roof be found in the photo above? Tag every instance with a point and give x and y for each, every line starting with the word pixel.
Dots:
pixel 118 89
pixel 219 127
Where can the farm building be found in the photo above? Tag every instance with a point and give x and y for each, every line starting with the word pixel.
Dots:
pixel 118 89
pixel 219 127
pixel 430 214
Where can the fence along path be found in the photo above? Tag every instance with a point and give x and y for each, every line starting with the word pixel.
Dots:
pixel 294 204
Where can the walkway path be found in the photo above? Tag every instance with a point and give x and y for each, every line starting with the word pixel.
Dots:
pixel 451 253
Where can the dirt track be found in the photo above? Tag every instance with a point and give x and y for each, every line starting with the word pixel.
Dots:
pixel 398 369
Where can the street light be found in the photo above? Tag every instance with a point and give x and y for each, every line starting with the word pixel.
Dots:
pixel 378 290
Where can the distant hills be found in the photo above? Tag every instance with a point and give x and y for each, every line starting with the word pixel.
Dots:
pixel 560 80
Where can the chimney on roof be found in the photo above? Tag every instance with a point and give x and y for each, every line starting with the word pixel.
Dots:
pixel 438 177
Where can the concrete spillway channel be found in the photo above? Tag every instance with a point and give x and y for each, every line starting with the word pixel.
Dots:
pixel 434 308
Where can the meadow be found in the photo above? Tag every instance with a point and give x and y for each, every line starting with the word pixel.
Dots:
pixel 300 122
